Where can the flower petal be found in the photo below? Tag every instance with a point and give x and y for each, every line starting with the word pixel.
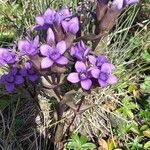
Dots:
pixel 106 67
pixel 23 46
pixel 112 79
pixel 73 25
pixel 95 72
pixel 65 25
pixel 86 84
pixel 39 20
pixel 117 4
pixel 73 77
pixel 102 83
pixel 80 66
pixel 46 63
pixel 49 16
pixel 19 79
pixel 61 47
pixel 50 36
pixel 45 50
pixel 33 77
pixel 36 41
pixel 62 60
pixel 23 72
pixel 9 87
pixel 92 60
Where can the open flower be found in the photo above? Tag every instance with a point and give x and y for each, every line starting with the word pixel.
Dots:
pixel 97 61
pixel 11 79
pixel 79 51
pixel 71 26
pixel 120 4
pixel 6 57
pixel 29 72
pixel 62 14
pixel 29 48
pixel 44 21
pixel 129 2
pixel 81 75
pixel 53 55
pixel 104 75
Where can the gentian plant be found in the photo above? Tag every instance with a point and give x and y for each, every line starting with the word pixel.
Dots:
pixel 62 56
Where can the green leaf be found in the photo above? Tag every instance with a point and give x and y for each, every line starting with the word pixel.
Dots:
pixel 88 146
pixel 147 145
pixel 146 56
pixel 145 86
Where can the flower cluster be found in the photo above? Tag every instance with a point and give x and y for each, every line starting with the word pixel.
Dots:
pixel 94 68
pixel 54 49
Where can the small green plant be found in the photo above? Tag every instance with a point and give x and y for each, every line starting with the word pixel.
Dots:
pixel 126 109
pixel 79 142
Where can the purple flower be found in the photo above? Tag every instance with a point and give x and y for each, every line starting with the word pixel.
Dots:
pixel 97 61
pixel 29 72
pixel 81 75
pixel 29 48
pixel 103 1
pixel 6 57
pixel 104 75
pixel 129 2
pixel 50 36
pixel 119 4
pixel 11 79
pixel 53 55
pixel 61 15
pixel 44 21
pixel 71 26
pixel 79 51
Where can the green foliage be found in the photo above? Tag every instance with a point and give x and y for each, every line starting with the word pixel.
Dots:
pixel 79 142
pixel 146 55
pixel 128 106
pixel 135 144
pixel 146 85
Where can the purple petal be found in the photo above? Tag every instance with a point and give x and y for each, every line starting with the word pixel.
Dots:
pixel 73 25
pixel 62 60
pixel 9 87
pixel 73 77
pixel 112 79
pixel 13 71
pixel 50 36
pixel 28 64
pixel 106 67
pixel 2 62
pixel 80 66
pixel 23 46
pixel 92 60
pixel 33 77
pixel 61 47
pixel 23 72
pixel 72 50
pixel 49 16
pixel 19 79
pixel 36 41
pixel 95 72
pixel 117 4
pixel 39 20
pixel 102 83
pixel 129 2
pixel 46 63
pixel 86 84
pixel 65 25
pixel 45 50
